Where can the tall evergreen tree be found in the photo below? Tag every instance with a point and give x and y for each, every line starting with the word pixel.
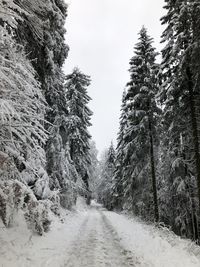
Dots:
pixel 24 183
pixel 22 113
pixel 140 133
pixel 41 31
pixel 180 93
pixel 106 173
pixel 117 185
pixel 78 121
pixel 93 169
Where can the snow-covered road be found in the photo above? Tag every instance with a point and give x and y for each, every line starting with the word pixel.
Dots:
pixel 98 244
pixel 96 238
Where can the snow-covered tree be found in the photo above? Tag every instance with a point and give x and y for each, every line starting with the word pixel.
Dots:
pixel 137 139
pixel 105 180
pixel 143 114
pixel 22 111
pixel 93 169
pixel 42 34
pixel 36 99
pixel 117 184
pixel 180 98
pixel 24 179
pixel 78 121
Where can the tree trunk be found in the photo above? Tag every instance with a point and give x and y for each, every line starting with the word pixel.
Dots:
pixel 153 174
pixel 72 150
pixel 195 139
pixel 192 212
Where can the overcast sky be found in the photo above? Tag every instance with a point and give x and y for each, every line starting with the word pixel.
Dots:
pixel 101 35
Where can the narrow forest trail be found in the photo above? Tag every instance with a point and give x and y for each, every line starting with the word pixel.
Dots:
pixel 97 244
pixel 94 237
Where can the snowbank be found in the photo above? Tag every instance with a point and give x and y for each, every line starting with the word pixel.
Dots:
pixel 20 248
pixel 157 247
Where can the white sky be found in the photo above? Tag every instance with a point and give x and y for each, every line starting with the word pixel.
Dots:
pixel 101 35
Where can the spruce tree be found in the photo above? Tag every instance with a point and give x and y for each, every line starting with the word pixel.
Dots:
pixel 41 31
pixel 93 168
pixel 23 109
pixel 24 181
pixel 180 94
pixel 140 133
pixel 106 173
pixel 78 121
pixel 117 185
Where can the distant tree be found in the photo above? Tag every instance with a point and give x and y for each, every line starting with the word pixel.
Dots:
pixel 106 173
pixel 117 185
pixel 93 169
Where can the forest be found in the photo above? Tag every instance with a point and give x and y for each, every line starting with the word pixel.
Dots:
pixel 45 146
pixel 47 155
pixel 155 170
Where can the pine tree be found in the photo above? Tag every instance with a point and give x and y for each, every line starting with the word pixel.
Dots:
pixel 42 35
pixel 93 168
pixel 179 94
pixel 117 185
pixel 78 121
pixel 106 173
pixel 22 112
pixel 41 32
pixel 140 133
pixel 24 181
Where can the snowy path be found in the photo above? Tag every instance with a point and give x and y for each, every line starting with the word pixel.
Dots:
pixel 96 238
pixel 98 244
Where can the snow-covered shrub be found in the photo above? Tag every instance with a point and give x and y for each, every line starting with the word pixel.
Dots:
pixel 6 204
pixel 15 196
pixel 55 202
pixel 61 169
pixel 67 198
pixel 37 216
pixel 12 198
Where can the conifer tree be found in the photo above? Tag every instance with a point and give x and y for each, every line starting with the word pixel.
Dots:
pixel 24 181
pixel 180 94
pixel 140 133
pixel 117 185
pixel 41 31
pixel 22 112
pixel 93 168
pixel 106 173
pixel 78 121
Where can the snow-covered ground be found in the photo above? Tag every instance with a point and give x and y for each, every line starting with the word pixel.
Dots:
pixel 154 247
pixel 95 238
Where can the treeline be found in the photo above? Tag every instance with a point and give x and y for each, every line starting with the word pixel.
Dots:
pixel 44 114
pixel 156 171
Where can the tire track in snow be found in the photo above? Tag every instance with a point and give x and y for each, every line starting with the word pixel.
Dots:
pixel 98 245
